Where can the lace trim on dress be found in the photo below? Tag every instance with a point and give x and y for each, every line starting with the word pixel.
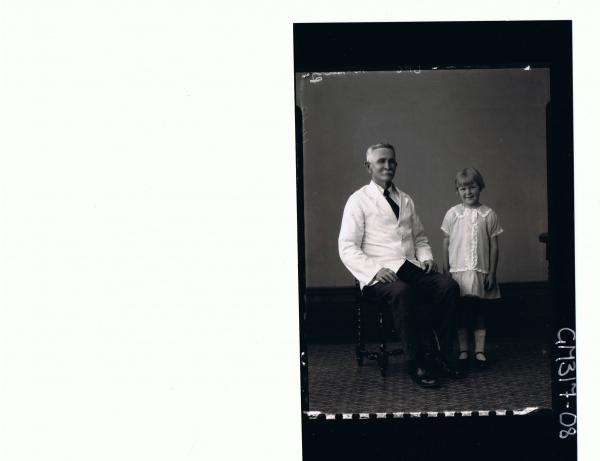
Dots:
pixel 465 269
pixel 498 232
pixel 474 226
pixel 459 210
pixel 471 213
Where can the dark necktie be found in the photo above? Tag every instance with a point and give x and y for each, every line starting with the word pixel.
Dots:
pixel 395 208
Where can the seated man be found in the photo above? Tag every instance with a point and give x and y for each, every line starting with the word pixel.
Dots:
pixel 383 245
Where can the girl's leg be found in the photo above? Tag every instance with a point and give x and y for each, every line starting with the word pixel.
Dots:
pixel 463 344
pixel 462 328
pixel 479 331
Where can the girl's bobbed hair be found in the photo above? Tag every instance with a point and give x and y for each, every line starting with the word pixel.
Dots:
pixel 469 176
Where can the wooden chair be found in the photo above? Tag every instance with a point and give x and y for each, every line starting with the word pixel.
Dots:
pixel 363 303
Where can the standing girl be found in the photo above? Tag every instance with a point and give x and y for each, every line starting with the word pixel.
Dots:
pixel 471 257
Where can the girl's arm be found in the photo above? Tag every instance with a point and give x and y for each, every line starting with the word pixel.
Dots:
pixel 494 253
pixel 445 258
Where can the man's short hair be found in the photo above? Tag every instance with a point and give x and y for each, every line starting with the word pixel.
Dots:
pixel 381 145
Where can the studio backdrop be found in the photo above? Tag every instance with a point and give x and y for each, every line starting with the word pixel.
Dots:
pixel 439 121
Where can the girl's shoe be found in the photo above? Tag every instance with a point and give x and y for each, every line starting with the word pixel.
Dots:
pixel 481 364
pixel 463 364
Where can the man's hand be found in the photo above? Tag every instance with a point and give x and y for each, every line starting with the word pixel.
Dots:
pixel 430 266
pixel 385 275
pixel 490 281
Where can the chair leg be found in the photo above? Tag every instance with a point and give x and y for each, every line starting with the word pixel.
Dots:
pixel 382 356
pixel 383 359
pixel 383 353
pixel 360 347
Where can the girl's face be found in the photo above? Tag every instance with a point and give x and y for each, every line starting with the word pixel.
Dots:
pixel 469 194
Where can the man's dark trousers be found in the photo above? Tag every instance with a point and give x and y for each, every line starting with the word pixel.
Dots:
pixel 420 303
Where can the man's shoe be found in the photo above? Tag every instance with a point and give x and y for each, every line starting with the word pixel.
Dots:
pixel 424 378
pixel 443 368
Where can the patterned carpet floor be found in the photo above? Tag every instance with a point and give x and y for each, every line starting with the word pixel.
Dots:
pixel 518 378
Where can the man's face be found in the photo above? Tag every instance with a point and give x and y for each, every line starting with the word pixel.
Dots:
pixel 382 165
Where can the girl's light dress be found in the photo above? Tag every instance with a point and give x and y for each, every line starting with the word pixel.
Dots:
pixel 470 231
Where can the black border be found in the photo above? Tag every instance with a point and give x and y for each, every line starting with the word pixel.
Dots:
pixel 390 46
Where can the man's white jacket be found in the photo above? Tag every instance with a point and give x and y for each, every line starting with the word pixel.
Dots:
pixel 372 238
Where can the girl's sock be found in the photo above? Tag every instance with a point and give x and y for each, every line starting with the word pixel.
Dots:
pixel 463 343
pixel 479 343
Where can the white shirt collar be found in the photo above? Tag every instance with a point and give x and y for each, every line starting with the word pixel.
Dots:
pixel 392 188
